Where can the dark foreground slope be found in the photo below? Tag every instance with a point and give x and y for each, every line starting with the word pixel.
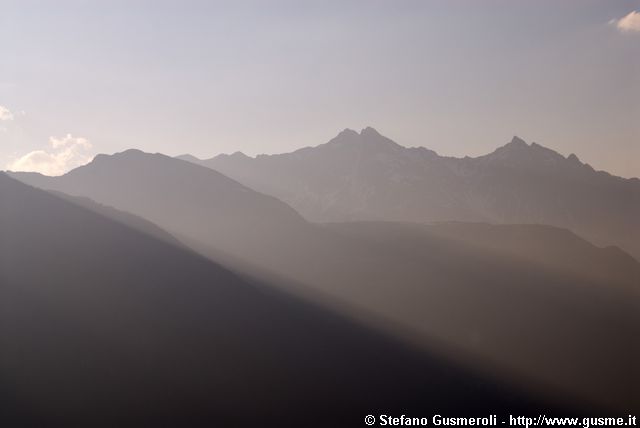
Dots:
pixel 101 325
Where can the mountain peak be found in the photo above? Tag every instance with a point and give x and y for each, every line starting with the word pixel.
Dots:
pixel 367 138
pixel 518 152
pixel 238 155
pixel 573 158
pixel 347 132
pixel 131 152
pixel 514 147
pixel 517 142
pixel 103 158
pixel 370 132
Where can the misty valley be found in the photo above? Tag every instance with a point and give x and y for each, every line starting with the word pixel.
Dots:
pixel 313 288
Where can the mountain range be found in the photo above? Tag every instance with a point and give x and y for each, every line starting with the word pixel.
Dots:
pixel 366 176
pixel 536 305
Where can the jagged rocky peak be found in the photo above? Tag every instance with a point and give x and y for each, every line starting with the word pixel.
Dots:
pixel 518 152
pixel 370 135
pixel 517 142
pixel 235 157
pixel 366 138
pixel 370 132
pixel 347 132
pixel 518 146
pixel 573 158
pixel 346 136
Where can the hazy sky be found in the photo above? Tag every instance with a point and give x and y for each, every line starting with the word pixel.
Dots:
pixel 459 77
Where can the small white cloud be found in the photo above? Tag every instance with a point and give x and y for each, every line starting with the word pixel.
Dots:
pixel 5 114
pixel 630 22
pixel 69 141
pixel 68 152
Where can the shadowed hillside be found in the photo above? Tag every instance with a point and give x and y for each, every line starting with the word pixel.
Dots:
pixel 105 326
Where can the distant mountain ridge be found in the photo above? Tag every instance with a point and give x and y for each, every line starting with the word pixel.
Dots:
pixel 366 176
pixel 183 198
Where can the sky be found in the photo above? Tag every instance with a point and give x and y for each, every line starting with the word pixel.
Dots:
pixel 79 78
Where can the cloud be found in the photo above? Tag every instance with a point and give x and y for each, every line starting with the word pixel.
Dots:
pixel 630 22
pixel 5 114
pixel 69 141
pixel 67 153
